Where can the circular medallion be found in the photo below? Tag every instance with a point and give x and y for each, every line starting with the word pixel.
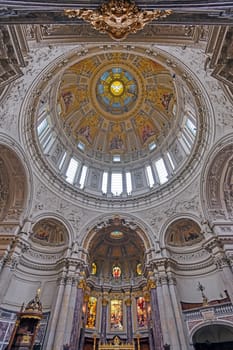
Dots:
pixel 117 88
pixel 116 91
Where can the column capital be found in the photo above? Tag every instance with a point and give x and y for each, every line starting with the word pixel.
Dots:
pixel 61 280
pixel 163 280
pixel 172 280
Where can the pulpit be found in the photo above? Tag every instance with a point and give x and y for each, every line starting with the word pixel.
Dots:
pixel 26 326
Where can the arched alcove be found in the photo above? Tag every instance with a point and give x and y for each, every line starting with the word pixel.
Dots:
pixel 49 232
pixel 213 337
pixel 218 186
pixel 183 232
pixel 13 185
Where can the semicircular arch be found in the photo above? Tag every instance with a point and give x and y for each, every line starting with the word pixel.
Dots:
pixel 16 181
pixel 217 188
pixel 134 223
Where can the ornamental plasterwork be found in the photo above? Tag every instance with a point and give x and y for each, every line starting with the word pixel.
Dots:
pixel 43 256
pixel 190 257
pixel 46 201
pixel 161 34
pixel 118 18
pixel 186 202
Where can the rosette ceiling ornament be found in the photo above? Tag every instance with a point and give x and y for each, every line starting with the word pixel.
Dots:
pixel 117 18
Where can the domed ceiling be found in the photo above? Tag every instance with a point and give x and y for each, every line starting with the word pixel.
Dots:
pixel 116 102
pixel 115 121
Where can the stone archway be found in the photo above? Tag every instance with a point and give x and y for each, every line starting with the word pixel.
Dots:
pixel 213 337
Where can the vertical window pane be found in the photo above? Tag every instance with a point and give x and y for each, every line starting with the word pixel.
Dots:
pixel 141 312
pixel 128 182
pixel 170 160
pixel 71 170
pixel 162 171
pixel 42 126
pixel 62 161
pixel 191 126
pixel 105 182
pixel 91 312
pixel 186 140
pixel 150 177
pixel 116 311
pixel 116 185
pixel 83 176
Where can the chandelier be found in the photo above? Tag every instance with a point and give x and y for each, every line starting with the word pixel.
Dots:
pixel 117 18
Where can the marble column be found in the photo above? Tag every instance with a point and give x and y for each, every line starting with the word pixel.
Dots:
pixel 55 313
pixel 77 319
pixel 227 277
pixel 5 278
pixel 183 336
pixel 155 318
pixel 162 313
pixel 10 261
pixel 84 321
pixel 71 307
pixel 60 331
pixel 128 304
pixel 170 319
pixel 146 295
pixel 104 318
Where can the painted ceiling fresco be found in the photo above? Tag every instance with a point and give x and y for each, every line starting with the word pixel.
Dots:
pixel 116 102
pixel 184 232
pixel 49 232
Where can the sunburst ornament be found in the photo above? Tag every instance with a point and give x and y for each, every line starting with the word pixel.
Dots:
pixel 118 18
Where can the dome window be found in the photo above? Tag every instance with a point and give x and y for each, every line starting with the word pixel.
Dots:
pixel 71 170
pixel 83 176
pixel 128 182
pixel 162 171
pixel 116 158
pixel 152 146
pixel 81 146
pixel 105 182
pixel 116 185
pixel 150 177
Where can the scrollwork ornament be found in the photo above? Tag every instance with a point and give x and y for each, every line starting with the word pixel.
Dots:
pixel 117 18
pixel 81 284
pixel 151 284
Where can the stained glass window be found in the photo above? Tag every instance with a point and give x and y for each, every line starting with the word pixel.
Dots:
pixel 141 312
pixel 116 234
pixel 116 315
pixel 91 312
pixel 116 272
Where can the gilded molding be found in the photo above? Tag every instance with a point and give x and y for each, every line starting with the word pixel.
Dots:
pixel 117 18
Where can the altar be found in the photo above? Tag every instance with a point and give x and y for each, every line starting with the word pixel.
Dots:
pixel 117 344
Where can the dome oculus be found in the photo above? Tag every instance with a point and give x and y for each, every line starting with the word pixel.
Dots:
pixel 116 90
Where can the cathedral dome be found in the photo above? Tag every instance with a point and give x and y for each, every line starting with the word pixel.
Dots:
pixel 117 122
